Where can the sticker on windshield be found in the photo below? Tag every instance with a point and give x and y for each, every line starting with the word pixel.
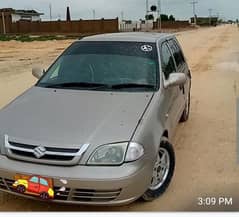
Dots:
pixel 146 48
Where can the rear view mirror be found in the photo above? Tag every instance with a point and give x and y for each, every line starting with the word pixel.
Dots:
pixel 175 79
pixel 38 72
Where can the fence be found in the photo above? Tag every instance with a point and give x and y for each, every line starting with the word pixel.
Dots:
pixel 62 27
pixel 173 24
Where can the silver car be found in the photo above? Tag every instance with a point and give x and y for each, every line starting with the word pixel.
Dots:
pixel 97 126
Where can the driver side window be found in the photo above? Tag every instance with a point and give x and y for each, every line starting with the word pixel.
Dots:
pixel 167 61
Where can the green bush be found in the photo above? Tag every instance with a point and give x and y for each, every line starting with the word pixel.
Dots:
pixel 27 38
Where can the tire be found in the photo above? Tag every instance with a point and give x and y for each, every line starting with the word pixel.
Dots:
pixel 44 196
pixel 186 112
pixel 21 189
pixel 154 192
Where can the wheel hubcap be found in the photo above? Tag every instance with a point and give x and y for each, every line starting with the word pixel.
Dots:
pixel 161 169
pixel 21 189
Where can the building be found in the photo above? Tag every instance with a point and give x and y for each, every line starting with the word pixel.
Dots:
pixel 21 15
pixel 206 21
pixel 129 26
pixel 132 26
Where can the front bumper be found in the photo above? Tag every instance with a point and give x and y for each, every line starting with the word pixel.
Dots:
pixel 89 185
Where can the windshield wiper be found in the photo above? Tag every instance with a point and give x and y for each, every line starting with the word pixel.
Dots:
pixel 76 85
pixel 96 86
pixel 132 85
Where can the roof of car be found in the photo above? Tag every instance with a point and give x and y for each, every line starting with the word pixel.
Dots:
pixel 128 36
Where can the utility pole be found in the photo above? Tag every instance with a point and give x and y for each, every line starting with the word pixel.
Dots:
pixel 159 16
pixel 218 15
pixel 194 11
pixel 93 14
pixel 122 15
pixel 147 11
pixel 3 23
pixel 147 7
pixel 50 7
pixel 210 16
pixel 59 17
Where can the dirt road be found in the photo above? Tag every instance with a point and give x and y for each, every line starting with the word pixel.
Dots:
pixel 205 146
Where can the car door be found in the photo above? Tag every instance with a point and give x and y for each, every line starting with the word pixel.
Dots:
pixel 44 185
pixel 169 94
pixel 186 69
pixel 33 184
pixel 181 67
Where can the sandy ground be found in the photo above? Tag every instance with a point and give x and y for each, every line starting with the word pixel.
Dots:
pixel 205 146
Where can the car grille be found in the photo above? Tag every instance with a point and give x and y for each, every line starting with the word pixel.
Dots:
pixel 2 184
pixel 61 195
pixel 6 184
pixel 77 195
pixel 45 155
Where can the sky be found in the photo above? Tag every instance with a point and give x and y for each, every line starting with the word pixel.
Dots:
pixel 132 9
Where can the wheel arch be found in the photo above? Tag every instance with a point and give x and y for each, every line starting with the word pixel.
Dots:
pixel 165 134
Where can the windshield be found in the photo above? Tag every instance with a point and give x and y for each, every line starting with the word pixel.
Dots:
pixel 105 66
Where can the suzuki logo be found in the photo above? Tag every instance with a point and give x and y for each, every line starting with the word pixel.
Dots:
pixel 146 48
pixel 39 152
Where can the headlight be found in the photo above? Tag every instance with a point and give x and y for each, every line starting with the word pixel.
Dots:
pixel 109 154
pixel 116 154
pixel 16 183
pixel 134 152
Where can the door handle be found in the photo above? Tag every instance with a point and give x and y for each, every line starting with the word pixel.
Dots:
pixel 182 88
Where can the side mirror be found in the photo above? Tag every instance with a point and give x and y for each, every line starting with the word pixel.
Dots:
pixel 175 79
pixel 38 72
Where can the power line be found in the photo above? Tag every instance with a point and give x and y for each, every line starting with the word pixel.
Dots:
pixel 159 16
pixel 210 16
pixel 93 14
pixel 50 7
pixel 147 6
pixel 210 12
pixel 122 15
pixel 194 6
pixel 194 10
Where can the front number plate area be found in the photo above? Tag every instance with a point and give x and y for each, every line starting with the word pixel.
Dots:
pixel 34 185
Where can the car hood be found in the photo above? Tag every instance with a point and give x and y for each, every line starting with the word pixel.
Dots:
pixel 60 117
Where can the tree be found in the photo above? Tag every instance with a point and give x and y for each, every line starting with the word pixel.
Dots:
pixel 153 8
pixel 149 17
pixel 164 17
pixel 171 18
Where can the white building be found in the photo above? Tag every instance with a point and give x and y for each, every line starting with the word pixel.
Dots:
pixel 130 26
pixel 26 15
pixel 147 25
pixel 20 15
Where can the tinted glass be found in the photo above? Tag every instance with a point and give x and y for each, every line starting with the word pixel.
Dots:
pixel 177 53
pixel 110 63
pixel 167 61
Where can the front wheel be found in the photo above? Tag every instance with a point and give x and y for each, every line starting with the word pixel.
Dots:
pixel 21 189
pixel 162 173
